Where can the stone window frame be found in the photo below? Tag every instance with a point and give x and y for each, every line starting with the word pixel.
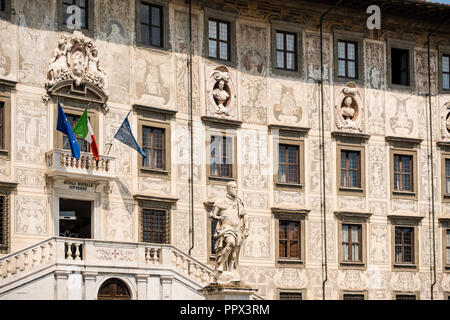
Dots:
pixel 90 31
pixel 166 46
pixel 290 137
pixel 445 225
pixel 445 197
pixel 349 36
pixel 217 129
pixel 155 118
pixel 224 16
pixel 406 45
pixel 5 98
pixel 408 222
pixel 355 218
pixel 446 295
pixel 6 212
pixel 353 292
pixel 6 13
pixel 442 50
pixel 395 194
pixel 76 108
pixel 290 215
pixel 156 203
pixel 348 146
pixel 409 293
pixel 290 27
pixel 302 291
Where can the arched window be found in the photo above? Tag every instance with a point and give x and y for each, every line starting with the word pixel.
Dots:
pixel 114 289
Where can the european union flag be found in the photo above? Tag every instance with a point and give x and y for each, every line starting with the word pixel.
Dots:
pixel 125 136
pixel 64 126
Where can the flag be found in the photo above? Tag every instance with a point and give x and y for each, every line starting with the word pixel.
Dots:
pixel 125 136
pixel 64 126
pixel 84 130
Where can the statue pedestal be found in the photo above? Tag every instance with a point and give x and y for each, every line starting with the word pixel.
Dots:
pixel 216 291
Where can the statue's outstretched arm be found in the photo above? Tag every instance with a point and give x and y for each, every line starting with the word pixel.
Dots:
pixel 214 214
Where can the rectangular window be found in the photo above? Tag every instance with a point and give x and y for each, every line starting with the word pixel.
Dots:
pixel 404 245
pixel 219 39
pixel 447 176
pixel 350 169
pixel 347 59
pixel 400 66
pixel 153 143
pixel 151 25
pixel 288 164
pixel 290 296
pixel 221 156
pixel 83 5
pixel 3 224
pixel 83 144
pixel 2 5
pixel 351 243
pixel 289 239
pixel 405 297
pixel 2 125
pixel 155 225
pixel 403 174
pixel 446 72
pixel 447 247
pixel 286 50
pixel 348 296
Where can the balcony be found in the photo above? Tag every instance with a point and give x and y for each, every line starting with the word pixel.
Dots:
pixel 61 163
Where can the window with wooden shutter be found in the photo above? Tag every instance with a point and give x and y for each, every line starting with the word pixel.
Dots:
pixel 289 239
pixel 153 145
pixel 288 163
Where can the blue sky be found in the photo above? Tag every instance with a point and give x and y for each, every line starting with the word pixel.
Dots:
pixel 442 1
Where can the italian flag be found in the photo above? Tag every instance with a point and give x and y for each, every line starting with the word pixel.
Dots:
pixel 84 130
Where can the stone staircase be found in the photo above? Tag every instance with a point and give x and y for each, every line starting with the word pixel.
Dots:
pixel 60 255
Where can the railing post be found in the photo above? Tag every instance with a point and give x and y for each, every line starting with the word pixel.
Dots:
pixel 25 261
pixel 77 251
pixel 34 260
pixel 43 253
pixel 8 267
pixel 69 250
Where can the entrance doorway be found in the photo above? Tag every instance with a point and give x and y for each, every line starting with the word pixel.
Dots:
pixel 75 218
pixel 114 289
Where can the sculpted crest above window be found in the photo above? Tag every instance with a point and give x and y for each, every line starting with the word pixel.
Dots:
pixel 75 64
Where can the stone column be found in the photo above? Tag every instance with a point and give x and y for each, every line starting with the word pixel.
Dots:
pixel 141 285
pixel 166 285
pixel 61 277
pixel 89 285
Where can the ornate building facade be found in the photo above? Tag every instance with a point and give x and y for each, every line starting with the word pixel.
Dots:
pixel 121 227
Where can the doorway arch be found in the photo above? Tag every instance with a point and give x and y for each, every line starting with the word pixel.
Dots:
pixel 114 289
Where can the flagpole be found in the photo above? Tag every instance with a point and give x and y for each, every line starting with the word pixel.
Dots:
pixel 111 143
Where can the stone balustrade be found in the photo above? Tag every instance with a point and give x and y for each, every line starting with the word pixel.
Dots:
pixel 41 254
pixel 61 162
pixel 75 253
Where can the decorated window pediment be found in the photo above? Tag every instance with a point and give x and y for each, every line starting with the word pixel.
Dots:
pixel 74 71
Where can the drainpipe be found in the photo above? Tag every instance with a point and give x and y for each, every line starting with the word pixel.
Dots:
pixel 322 158
pixel 191 128
pixel 431 164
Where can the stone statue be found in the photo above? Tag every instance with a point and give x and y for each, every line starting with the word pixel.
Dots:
pixel 221 96
pixel 348 111
pixel 58 62
pixel 232 228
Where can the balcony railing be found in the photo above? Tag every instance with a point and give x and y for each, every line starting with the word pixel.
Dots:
pixel 60 162
pixel 71 252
